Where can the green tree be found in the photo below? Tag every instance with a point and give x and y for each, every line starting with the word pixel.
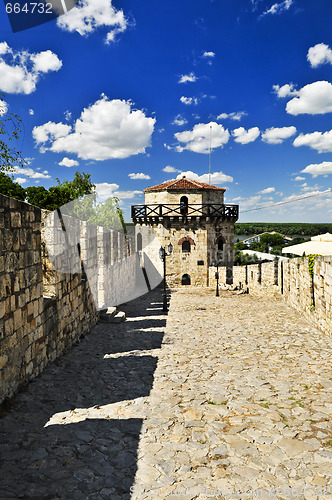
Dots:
pixel 10 128
pixel 106 214
pixel 62 193
pixel 9 187
pixel 255 245
pixel 271 240
pixel 239 245
pixel 42 197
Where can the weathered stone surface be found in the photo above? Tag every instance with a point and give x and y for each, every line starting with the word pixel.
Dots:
pixel 73 433
pixel 252 376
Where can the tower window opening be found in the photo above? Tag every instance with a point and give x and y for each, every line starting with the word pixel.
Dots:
pixel 186 279
pixel 186 247
pixel 139 242
pixel 220 243
pixel 184 205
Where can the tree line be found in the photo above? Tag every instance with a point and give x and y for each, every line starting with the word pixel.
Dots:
pixel 286 228
pixel 106 214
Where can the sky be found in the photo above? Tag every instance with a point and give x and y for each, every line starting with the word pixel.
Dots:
pixel 135 93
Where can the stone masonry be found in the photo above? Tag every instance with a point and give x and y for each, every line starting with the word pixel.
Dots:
pixel 189 214
pixel 227 400
pixel 307 290
pixel 43 311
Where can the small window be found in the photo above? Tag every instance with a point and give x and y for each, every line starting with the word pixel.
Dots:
pixel 186 246
pixel 220 242
pixel 139 242
pixel 186 279
pixel 200 262
pixel 184 205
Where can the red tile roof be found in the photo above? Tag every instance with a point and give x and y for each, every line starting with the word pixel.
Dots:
pixel 182 184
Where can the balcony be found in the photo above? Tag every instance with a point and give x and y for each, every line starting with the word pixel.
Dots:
pixel 175 212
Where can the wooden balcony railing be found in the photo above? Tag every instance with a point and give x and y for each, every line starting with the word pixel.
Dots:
pixel 141 213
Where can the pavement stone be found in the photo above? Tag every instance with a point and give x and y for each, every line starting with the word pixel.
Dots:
pixel 230 398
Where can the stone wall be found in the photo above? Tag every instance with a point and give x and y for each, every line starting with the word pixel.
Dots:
pixel 203 238
pixel 43 311
pixel 311 296
pixel 194 197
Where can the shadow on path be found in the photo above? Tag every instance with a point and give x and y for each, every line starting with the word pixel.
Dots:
pixel 94 453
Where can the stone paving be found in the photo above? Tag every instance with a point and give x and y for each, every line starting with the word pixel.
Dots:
pixel 69 434
pixel 238 406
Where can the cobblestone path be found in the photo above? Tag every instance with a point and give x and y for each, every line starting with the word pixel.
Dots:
pixel 69 435
pixel 241 403
pixel 232 399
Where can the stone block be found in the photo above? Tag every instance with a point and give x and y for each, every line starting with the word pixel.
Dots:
pixel 15 219
pixel 17 319
pixel 2 309
pixel 3 361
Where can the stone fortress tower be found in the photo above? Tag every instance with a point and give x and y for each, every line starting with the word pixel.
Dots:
pixel 192 216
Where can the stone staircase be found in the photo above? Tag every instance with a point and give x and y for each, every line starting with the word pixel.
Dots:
pixel 110 315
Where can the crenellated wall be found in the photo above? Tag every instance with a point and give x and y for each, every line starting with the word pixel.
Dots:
pixel 43 311
pixel 310 294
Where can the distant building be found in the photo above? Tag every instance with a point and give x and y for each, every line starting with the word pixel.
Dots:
pixel 263 255
pixel 257 238
pixel 192 216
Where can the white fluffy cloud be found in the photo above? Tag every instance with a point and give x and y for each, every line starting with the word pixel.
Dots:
pixel 31 112
pixel 277 8
pixel 232 116
pixel 127 195
pixel 89 15
pixel 188 78
pixel 320 141
pixel 179 121
pixel 276 135
pixel 198 139
pixel 244 136
pixel 139 176
pixel 313 99
pixel 285 91
pixel 29 172
pixel 46 61
pixel 105 130
pixel 299 178
pixel 50 131
pixel 21 180
pixel 267 190
pixel 170 169
pixel 21 71
pixel 316 169
pixel 68 162
pixel 105 190
pixel 209 54
pixel 216 177
pixel 319 54
pixel 189 100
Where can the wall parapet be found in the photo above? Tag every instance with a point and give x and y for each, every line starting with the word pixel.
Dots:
pixel 306 288
pixel 43 311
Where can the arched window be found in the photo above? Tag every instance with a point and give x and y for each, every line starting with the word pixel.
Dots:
pixel 186 279
pixel 186 243
pixel 184 205
pixel 139 242
pixel 220 242
pixel 186 246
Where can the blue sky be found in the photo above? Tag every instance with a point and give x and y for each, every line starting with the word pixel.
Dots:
pixel 131 92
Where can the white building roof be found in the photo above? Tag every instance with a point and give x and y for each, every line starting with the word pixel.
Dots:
pixel 263 255
pixel 321 245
